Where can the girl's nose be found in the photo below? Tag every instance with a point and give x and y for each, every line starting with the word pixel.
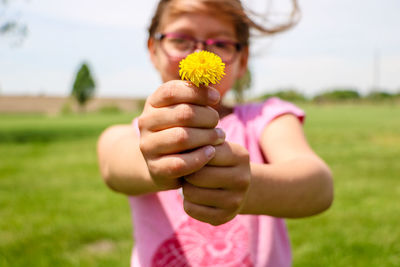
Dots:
pixel 200 46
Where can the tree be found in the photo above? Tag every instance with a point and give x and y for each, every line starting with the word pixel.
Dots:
pixel 10 26
pixel 84 85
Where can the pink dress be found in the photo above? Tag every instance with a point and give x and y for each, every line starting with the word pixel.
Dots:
pixel 166 236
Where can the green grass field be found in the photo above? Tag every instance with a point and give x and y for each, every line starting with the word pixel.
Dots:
pixel 56 211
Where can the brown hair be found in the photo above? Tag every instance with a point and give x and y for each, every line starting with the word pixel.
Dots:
pixel 232 9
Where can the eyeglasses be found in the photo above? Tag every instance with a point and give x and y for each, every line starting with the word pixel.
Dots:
pixel 178 46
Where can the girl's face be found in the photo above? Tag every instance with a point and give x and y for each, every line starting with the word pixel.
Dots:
pixel 200 27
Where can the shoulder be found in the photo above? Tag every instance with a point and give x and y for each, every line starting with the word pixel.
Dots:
pixel 269 109
pixel 260 114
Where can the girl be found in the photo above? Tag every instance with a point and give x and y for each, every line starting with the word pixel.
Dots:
pixel 239 171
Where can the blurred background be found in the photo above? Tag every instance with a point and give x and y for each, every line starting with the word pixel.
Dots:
pixel 69 69
pixel 337 44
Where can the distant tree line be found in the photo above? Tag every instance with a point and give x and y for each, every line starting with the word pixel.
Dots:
pixel 333 95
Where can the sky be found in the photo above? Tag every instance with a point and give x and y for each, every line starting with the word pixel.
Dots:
pixel 337 44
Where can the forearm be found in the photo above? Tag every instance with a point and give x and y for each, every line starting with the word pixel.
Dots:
pixel 297 188
pixel 122 165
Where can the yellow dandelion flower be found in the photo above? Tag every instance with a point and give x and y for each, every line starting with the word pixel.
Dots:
pixel 202 67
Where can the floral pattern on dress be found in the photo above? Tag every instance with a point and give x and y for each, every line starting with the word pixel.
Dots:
pixel 198 244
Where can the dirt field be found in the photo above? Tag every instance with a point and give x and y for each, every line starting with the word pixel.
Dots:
pixel 54 105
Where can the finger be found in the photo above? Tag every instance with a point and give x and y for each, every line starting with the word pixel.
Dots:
pixel 178 165
pixel 180 139
pixel 176 92
pixel 184 115
pixel 219 178
pixel 217 198
pixel 206 214
pixel 229 154
pixel 168 184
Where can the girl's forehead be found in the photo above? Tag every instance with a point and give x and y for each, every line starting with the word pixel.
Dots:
pixel 197 19
pixel 202 24
pixel 179 8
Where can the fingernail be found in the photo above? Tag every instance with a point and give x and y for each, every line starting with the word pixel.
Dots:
pixel 221 136
pixel 189 84
pixel 210 150
pixel 213 95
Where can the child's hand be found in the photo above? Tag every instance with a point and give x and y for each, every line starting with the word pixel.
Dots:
pixel 216 193
pixel 177 131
